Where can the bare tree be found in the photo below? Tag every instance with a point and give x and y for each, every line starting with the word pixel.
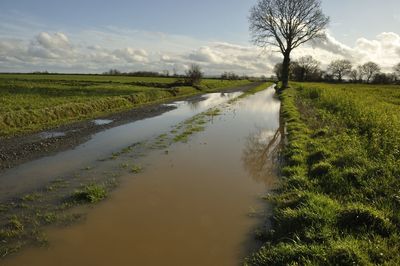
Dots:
pixel 305 68
pixel 165 73
pixel 194 75
pixel 354 75
pixel 369 70
pixel 340 68
pixel 286 24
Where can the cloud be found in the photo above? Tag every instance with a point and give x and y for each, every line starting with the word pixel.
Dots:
pixel 127 50
pixel 333 46
pixel 53 42
pixel 384 50
pixel 50 46
pixel 131 55
pixel 206 55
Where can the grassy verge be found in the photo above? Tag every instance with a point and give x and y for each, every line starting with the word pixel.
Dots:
pixel 339 201
pixel 35 102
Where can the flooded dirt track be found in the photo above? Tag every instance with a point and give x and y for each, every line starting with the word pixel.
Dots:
pixel 196 203
pixel 36 173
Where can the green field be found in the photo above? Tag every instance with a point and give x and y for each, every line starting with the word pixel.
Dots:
pixel 31 102
pixel 339 200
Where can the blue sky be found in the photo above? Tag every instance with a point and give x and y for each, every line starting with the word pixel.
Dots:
pixel 158 34
pixel 204 19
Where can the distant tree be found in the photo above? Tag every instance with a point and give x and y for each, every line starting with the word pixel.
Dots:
pixel 174 72
pixel 397 71
pixel 328 77
pixel 112 72
pixel 224 76
pixel 194 75
pixel 144 74
pixel 382 78
pixel 306 68
pixel 393 78
pixel 369 70
pixel 354 75
pixel 278 71
pixel 165 73
pixel 340 68
pixel 230 76
pixel 286 24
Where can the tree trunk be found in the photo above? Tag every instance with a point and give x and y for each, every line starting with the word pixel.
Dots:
pixel 285 70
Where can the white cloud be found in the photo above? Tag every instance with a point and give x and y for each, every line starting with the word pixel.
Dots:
pixel 53 42
pixel 206 55
pixel 127 50
pixel 333 46
pixel 131 55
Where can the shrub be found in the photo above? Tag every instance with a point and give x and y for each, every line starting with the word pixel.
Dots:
pixel 194 75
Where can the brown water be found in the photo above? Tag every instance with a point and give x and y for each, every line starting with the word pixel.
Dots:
pixel 194 205
pixel 37 173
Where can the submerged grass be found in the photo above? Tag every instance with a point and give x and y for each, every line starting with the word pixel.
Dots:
pixel 36 102
pixel 338 203
pixel 91 193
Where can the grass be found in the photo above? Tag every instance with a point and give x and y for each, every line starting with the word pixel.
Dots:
pixel 192 126
pixel 339 199
pixel 136 169
pixel 35 102
pixel 91 193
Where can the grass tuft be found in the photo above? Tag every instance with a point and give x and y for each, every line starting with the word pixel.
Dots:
pixel 90 194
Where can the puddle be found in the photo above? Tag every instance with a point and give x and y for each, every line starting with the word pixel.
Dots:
pixel 196 205
pixel 102 122
pixel 50 135
pixel 36 173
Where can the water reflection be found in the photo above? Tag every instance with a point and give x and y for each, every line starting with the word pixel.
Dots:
pixel 49 135
pixel 35 174
pixel 261 154
pixel 101 122
pixel 213 99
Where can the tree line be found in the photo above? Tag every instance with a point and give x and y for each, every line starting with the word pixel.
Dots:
pixel 306 68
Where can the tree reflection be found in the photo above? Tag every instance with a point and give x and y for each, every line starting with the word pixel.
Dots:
pixel 260 155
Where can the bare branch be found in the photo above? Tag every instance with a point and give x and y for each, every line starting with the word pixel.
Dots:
pixel 286 24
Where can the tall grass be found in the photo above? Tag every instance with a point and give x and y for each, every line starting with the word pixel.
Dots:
pixel 339 201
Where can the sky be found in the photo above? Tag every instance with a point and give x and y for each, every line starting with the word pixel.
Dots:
pixel 155 35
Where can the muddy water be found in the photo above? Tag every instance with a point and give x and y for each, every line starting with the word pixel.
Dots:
pixel 194 205
pixel 37 173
